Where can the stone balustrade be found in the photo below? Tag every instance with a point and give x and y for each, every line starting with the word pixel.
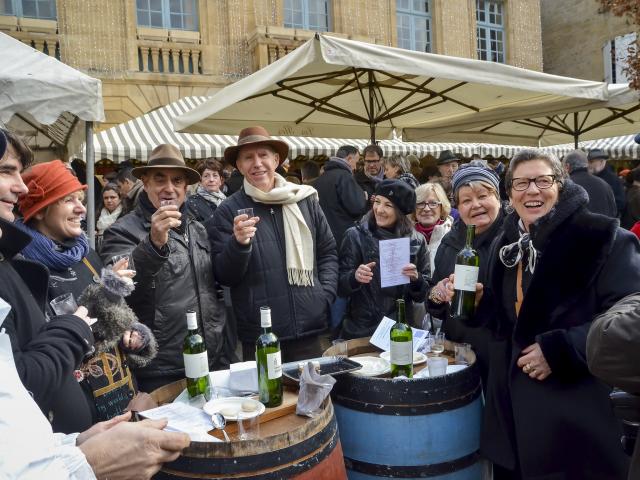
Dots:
pixel 37 33
pixel 169 51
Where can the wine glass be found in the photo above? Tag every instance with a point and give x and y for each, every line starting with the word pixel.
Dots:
pixel 438 343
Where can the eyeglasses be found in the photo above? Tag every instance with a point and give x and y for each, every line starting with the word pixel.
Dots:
pixel 372 161
pixel 542 182
pixel 431 205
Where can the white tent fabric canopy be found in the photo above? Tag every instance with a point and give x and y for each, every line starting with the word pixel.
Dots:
pixel 331 85
pixel 616 147
pixel 618 115
pixel 42 99
pixel 138 137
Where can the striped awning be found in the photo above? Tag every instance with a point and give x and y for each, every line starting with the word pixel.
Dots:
pixel 623 147
pixel 137 138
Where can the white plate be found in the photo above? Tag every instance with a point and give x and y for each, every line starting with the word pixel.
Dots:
pixel 424 373
pixel 235 404
pixel 371 366
pixel 418 357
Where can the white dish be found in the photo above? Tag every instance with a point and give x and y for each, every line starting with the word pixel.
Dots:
pixel 371 366
pixel 418 357
pixel 424 373
pixel 233 404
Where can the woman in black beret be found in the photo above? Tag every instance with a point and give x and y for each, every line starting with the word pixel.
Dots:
pixel 359 260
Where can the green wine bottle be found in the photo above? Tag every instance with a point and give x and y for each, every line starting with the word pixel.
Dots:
pixel 196 361
pixel 269 362
pixel 466 277
pixel 401 355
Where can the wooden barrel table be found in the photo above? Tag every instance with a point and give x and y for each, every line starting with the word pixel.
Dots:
pixel 290 446
pixel 409 428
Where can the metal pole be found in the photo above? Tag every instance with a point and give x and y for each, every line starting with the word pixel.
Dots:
pixel 576 134
pixel 372 125
pixel 89 159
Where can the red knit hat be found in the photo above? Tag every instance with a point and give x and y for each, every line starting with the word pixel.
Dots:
pixel 47 183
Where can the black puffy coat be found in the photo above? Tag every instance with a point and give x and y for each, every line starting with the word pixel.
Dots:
pixel 601 199
pixel 167 285
pixel 341 198
pixel 370 302
pixel 257 272
pixel 45 353
pixel 561 427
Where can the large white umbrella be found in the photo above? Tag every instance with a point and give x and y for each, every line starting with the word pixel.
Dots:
pixel 332 87
pixel 564 123
pixel 50 103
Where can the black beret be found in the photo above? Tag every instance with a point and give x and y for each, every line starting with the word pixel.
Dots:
pixel 399 193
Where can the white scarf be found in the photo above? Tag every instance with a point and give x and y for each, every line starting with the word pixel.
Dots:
pixel 297 235
pixel 107 219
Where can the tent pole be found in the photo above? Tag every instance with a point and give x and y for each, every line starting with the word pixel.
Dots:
pixel 91 194
pixel 372 125
pixel 576 134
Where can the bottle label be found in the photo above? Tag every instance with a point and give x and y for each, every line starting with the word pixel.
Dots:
pixel 196 365
pixel 401 353
pixel 466 278
pixel 274 365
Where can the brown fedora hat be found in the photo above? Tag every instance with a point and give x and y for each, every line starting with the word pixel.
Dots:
pixel 167 156
pixel 256 136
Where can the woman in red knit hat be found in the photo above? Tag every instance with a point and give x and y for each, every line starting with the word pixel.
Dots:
pixel 52 213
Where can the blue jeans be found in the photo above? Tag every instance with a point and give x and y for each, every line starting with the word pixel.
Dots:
pixel 338 310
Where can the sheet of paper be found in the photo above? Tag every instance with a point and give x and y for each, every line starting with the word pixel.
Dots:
pixel 380 337
pixel 394 255
pixel 184 418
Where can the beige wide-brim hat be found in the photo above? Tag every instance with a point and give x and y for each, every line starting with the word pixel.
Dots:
pixel 167 156
pixel 256 136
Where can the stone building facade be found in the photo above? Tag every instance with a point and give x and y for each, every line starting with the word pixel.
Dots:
pixel 577 39
pixel 148 63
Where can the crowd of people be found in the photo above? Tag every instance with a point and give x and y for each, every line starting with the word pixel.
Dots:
pixel 226 238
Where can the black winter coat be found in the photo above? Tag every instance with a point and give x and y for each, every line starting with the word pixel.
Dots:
pixel 601 199
pixel 257 272
pixel 167 285
pixel 341 198
pixel 45 353
pixel 608 175
pixel 370 302
pixel 201 209
pixel 561 427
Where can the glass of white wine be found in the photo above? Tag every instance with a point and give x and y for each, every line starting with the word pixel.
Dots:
pixel 438 343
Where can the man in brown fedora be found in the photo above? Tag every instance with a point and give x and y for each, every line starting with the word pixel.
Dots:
pixel 283 255
pixel 169 250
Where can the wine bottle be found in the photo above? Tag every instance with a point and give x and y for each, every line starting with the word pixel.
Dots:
pixel 466 277
pixel 401 354
pixel 196 361
pixel 269 362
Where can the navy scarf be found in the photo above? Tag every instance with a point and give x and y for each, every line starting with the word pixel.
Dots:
pixel 54 256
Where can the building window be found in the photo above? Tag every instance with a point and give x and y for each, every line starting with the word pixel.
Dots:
pixel 491 35
pixel 307 14
pixel 170 14
pixel 413 18
pixel 45 9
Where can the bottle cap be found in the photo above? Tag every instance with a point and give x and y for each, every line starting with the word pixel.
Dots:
pixel 192 320
pixel 265 317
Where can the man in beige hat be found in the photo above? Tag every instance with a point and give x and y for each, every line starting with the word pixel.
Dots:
pixel 282 254
pixel 169 250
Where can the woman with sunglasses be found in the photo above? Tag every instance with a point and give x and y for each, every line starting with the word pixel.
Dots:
pixel 432 217
pixel 553 268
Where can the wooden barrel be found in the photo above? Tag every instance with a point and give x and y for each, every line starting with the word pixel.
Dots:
pixel 417 428
pixel 290 446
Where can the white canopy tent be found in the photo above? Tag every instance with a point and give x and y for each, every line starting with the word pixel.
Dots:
pixel 139 136
pixel 332 86
pixel 616 147
pixel 564 123
pixel 48 103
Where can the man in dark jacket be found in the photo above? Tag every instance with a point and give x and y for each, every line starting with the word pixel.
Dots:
pixel 613 354
pixel 601 199
pixel 343 203
pixel 46 353
pixel 130 188
pixel 373 173
pixel 170 253
pixel 598 167
pixel 284 256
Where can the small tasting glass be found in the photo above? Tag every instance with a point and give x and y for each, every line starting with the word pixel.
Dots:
pixel 246 211
pixel 64 304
